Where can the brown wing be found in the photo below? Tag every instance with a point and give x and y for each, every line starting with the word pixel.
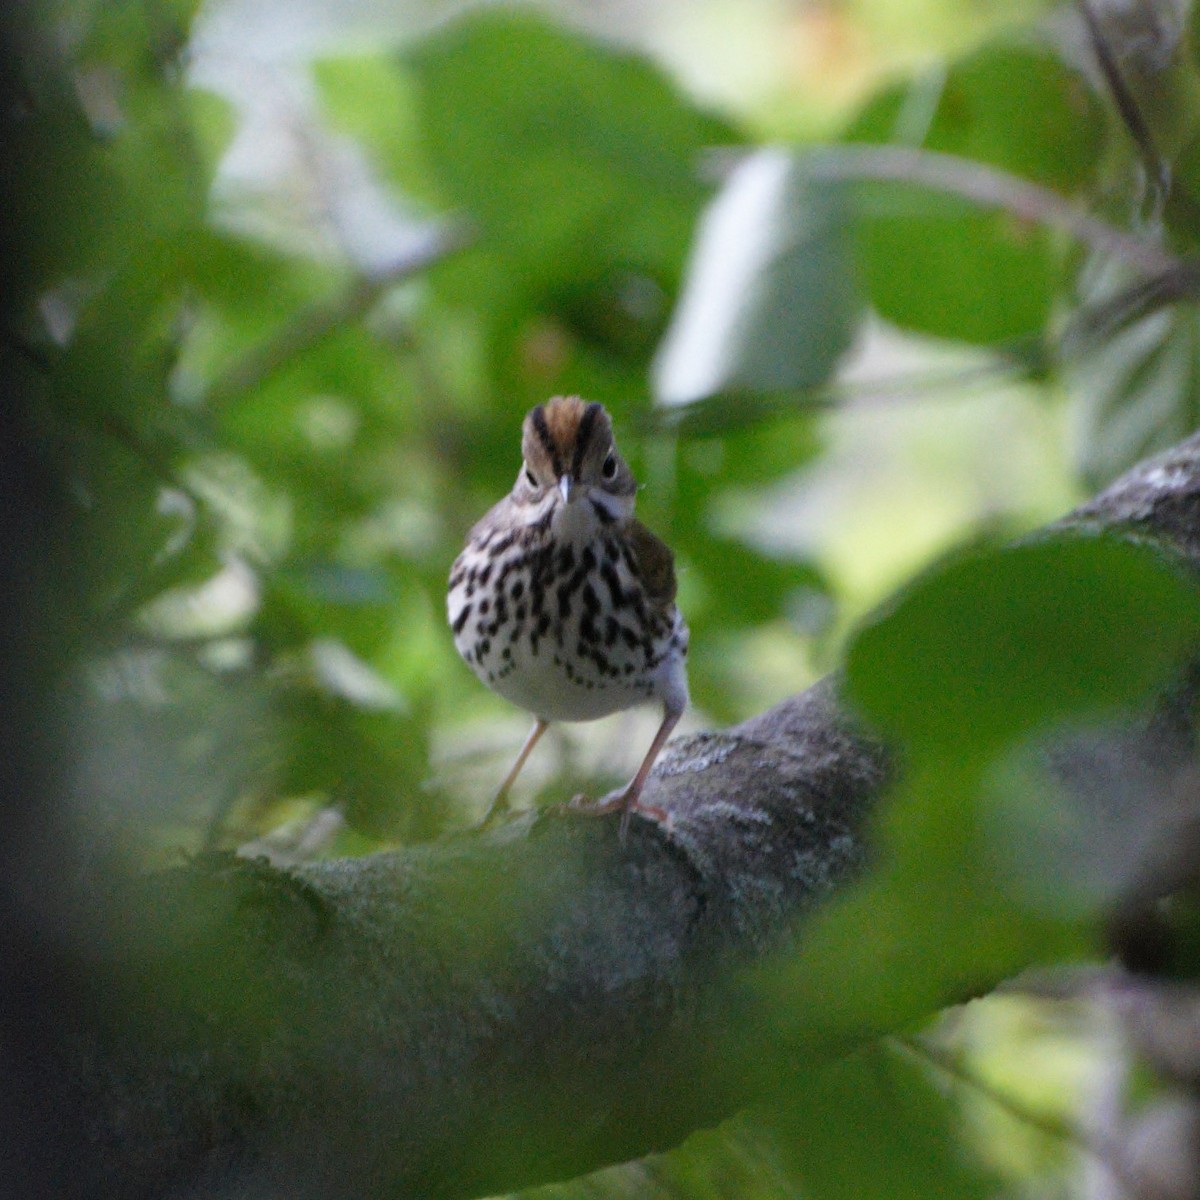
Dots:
pixel 656 563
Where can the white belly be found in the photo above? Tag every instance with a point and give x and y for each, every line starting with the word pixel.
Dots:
pixel 540 685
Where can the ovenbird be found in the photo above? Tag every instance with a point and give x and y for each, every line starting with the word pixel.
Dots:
pixel 562 602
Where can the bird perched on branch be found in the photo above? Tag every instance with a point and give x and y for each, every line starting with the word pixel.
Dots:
pixel 562 602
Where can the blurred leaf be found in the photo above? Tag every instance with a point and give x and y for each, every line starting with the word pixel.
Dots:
pixel 745 458
pixel 962 274
pixel 100 154
pixel 987 652
pixel 167 745
pixel 578 163
pixel 763 582
pixel 875 1127
pixel 117 490
pixel 368 761
pixel 371 98
pixel 769 302
pixel 564 135
pixel 941 267
pixel 708 474
pixel 61 196
pixel 933 925
pixel 142 41
pixel 1013 106
pixel 213 123
pixel 727 592
pixel 997 644
pixel 740 1158
pixel 1183 203
pixel 122 348
pixel 311 599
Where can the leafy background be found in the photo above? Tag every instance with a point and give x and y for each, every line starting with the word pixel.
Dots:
pixel 289 279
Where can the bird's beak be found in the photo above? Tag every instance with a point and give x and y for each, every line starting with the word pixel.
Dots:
pixel 565 486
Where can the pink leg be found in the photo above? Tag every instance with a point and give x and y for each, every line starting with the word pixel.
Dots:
pixel 499 805
pixel 629 800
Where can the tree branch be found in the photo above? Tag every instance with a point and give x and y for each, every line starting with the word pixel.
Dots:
pixel 989 187
pixel 495 1010
pixel 1158 173
pixel 312 326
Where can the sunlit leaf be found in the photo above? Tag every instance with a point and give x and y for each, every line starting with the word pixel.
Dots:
pixel 769 302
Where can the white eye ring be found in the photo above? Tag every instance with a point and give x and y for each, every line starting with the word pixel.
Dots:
pixel 529 478
pixel 609 470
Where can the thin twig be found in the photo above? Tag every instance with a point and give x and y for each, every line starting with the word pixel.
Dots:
pixel 1158 173
pixel 1104 319
pixel 987 186
pixel 713 414
pixel 1010 362
pixel 318 322
pixel 1095 1146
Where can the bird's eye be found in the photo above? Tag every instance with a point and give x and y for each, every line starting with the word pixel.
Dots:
pixel 609 470
pixel 529 479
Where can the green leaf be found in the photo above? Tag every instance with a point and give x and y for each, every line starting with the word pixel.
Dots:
pixel 971 276
pixel 213 122
pixel 739 1158
pixel 143 43
pixel 981 656
pixel 542 135
pixel 764 583
pixel 579 166
pixel 769 302
pixel 1181 206
pixel 59 190
pixel 123 344
pixel 328 599
pixel 998 644
pixel 1014 106
pixel 747 456
pixel 371 97
pixel 875 1127
pixel 945 268
pixel 935 924
pixel 351 736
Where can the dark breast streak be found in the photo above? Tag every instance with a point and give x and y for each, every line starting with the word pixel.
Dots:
pixel 587 610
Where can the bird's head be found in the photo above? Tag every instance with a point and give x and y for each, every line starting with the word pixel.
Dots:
pixel 569 453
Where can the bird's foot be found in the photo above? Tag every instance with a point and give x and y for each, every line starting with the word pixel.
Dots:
pixel 497 812
pixel 618 801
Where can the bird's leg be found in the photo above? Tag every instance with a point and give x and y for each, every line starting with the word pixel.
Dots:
pixel 499 805
pixel 629 800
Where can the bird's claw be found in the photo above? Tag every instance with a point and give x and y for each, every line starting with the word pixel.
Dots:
pixel 615 802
